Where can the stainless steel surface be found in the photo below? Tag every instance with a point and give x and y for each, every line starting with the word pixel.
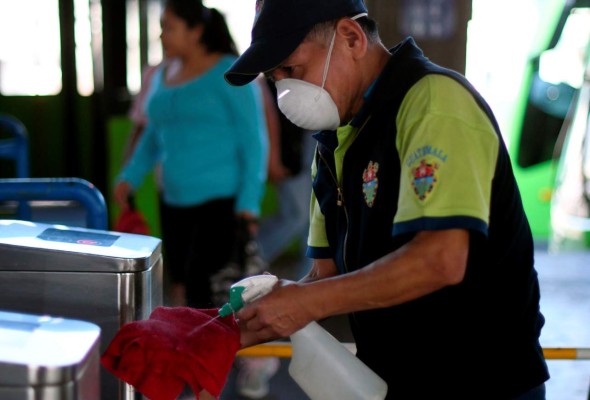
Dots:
pixel 26 246
pixel 48 358
pixel 107 278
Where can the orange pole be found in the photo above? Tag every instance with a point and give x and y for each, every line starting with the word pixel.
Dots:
pixel 284 350
pixel 565 353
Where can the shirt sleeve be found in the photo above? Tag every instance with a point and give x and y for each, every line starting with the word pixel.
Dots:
pixel 448 152
pixel 145 157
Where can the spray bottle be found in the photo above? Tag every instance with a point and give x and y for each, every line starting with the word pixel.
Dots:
pixel 322 366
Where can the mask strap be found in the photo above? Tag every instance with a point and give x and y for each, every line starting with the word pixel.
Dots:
pixel 327 66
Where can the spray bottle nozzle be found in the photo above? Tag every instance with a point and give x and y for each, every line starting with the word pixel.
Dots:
pixel 235 302
pixel 247 290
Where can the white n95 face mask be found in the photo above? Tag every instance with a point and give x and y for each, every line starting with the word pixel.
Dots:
pixel 306 105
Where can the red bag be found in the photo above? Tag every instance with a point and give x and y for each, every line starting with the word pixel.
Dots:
pixel 132 221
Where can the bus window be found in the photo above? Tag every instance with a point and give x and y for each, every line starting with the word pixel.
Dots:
pixel 557 74
pixel 30 53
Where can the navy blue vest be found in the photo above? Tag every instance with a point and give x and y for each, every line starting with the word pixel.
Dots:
pixel 472 340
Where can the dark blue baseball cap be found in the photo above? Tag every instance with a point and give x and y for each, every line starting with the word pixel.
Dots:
pixel 279 28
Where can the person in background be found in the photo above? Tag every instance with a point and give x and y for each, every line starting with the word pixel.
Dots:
pixel 132 220
pixel 290 161
pixel 417 226
pixel 211 143
pixel 275 231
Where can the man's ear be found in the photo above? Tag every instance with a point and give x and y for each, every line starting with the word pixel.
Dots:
pixel 354 37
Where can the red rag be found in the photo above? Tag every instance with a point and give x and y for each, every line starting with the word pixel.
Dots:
pixel 174 347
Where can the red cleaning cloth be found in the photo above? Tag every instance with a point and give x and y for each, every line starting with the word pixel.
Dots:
pixel 176 346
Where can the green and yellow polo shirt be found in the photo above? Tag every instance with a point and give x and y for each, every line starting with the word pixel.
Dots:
pixel 447 150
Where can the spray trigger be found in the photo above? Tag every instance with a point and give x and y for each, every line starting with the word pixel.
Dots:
pixel 246 291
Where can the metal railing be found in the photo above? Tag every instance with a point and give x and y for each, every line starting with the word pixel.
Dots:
pixel 72 189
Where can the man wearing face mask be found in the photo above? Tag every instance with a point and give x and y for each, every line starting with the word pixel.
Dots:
pixel 417 226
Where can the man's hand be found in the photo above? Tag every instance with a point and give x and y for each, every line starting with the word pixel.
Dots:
pixel 282 311
pixel 431 261
pixel 276 315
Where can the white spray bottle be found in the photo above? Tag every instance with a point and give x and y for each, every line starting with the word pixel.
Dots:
pixel 322 366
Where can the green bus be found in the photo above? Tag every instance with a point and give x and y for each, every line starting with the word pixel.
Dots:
pixel 552 77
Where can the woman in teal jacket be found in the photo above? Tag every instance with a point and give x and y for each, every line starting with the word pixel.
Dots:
pixel 211 142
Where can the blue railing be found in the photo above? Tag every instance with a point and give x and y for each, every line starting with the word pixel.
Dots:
pixel 55 189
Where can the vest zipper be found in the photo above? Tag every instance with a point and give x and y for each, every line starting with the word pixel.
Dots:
pixel 346 212
pixel 340 200
pixel 339 203
pixel 340 194
pixel 340 197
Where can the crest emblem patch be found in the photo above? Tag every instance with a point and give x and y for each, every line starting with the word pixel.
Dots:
pixel 424 178
pixel 370 183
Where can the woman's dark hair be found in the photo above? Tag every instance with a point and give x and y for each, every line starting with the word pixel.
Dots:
pixel 216 37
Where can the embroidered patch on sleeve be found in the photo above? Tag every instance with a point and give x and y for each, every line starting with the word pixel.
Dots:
pixel 424 164
pixel 370 183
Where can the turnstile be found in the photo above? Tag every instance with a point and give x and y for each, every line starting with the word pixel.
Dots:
pixel 107 278
pixel 48 358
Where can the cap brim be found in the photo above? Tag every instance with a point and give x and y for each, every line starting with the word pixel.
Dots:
pixel 263 56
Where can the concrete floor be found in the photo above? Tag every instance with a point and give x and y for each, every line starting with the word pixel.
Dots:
pixel 565 302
